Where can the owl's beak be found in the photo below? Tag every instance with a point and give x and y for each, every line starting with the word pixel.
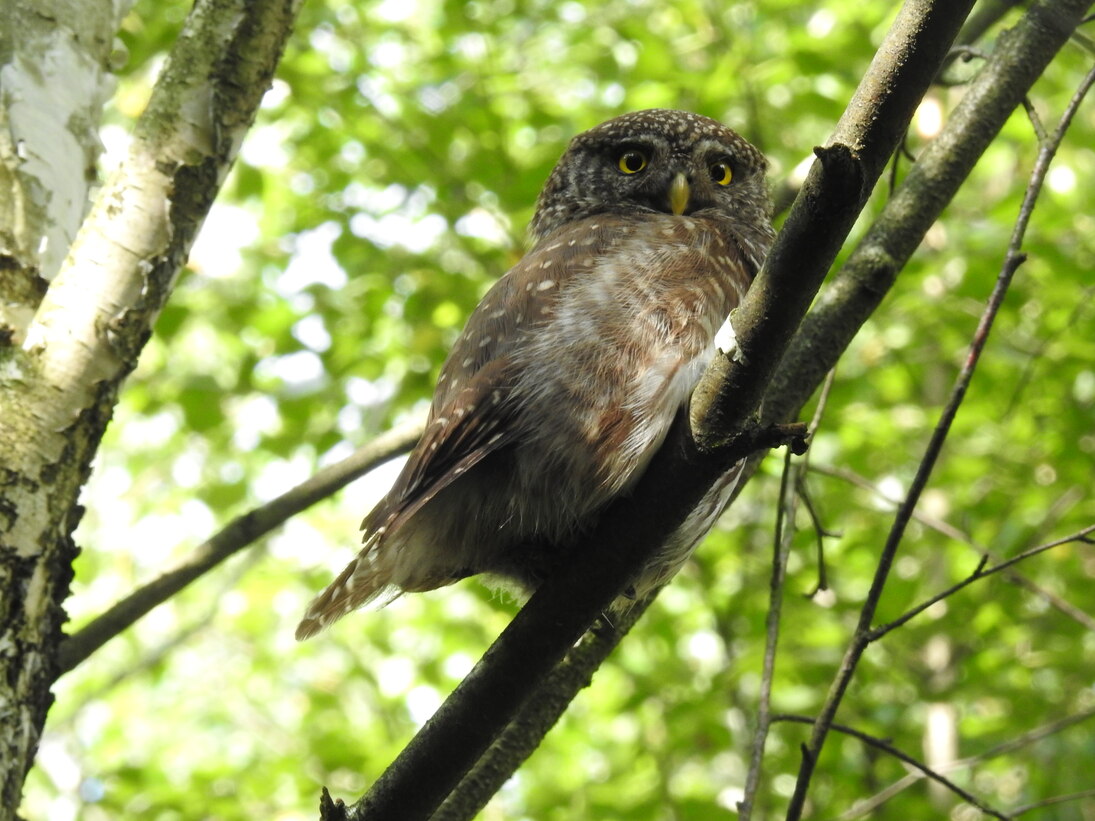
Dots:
pixel 679 192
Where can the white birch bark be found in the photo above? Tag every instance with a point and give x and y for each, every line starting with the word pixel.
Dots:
pixel 54 80
pixel 65 349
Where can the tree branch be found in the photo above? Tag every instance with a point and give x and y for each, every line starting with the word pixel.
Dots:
pixel 862 637
pixel 781 549
pixel 59 388
pixel 632 530
pixel 526 731
pixel 951 532
pixel 908 759
pixel 239 533
pixel 979 573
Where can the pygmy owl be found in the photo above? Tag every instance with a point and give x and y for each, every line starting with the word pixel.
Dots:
pixel 571 370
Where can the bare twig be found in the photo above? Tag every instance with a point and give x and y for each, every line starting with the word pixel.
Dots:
pixel 950 531
pixel 820 531
pixel 233 537
pixel 867 806
pixel 979 573
pixel 781 548
pixel 880 744
pixel 1049 802
pixel 789 492
pixel 863 633
pixel 1035 120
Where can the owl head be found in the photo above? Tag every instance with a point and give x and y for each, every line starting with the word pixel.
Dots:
pixel 655 161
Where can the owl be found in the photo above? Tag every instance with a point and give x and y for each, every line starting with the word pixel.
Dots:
pixel 570 371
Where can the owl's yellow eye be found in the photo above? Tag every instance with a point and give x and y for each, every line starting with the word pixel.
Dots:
pixel 632 161
pixel 721 173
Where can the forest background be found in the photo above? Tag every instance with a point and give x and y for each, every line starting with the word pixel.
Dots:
pixel 385 185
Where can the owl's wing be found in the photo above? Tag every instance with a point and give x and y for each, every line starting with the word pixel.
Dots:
pixel 474 403
pixel 472 415
pixel 459 434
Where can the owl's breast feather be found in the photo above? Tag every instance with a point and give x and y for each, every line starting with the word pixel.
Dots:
pixel 630 331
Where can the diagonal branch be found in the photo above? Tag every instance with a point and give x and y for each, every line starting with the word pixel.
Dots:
pixel 981 572
pixel 566 604
pixel 863 633
pixel 918 765
pixel 525 732
pixel 241 532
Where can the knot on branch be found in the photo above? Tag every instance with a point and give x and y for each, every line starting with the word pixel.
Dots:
pixel 331 809
pixel 844 179
pixel 757 437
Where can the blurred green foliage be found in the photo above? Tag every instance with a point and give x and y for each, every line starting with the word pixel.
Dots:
pixel 386 185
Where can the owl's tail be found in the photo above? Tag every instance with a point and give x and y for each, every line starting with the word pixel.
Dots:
pixel 362 581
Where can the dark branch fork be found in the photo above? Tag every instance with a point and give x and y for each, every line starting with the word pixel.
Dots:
pixel 566 604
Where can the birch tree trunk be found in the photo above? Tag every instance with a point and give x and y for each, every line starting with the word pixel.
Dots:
pixel 68 341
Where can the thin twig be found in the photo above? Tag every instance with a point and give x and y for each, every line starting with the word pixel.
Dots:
pixel 233 537
pixel 819 529
pixel 980 573
pixel 820 533
pixel 1049 802
pixel 880 744
pixel 781 548
pixel 867 806
pixel 862 637
pixel 789 493
pixel 1064 606
pixel 1035 120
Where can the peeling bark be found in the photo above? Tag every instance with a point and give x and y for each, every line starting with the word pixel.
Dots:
pixel 60 380
pixel 54 81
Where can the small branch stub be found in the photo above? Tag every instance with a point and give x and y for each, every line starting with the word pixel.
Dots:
pixel 331 809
